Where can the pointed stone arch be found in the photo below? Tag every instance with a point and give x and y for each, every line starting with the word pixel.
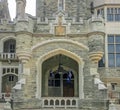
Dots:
pixel 67 41
pixel 52 53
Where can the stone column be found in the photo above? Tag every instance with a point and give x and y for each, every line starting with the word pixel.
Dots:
pixel 81 81
pixel 0 77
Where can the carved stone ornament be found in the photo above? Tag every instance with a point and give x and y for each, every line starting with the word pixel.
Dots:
pixel 60 30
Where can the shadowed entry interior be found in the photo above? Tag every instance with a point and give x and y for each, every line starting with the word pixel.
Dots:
pixel 60 77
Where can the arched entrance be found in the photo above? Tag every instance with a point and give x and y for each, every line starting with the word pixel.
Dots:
pixel 51 62
pixel 60 76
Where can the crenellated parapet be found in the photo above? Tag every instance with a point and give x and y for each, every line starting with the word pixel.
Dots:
pixel 22 25
pixel 6 25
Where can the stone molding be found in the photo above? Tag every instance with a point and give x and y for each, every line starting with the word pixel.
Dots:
pixel 60 40
pixel 23 32
pixel 72 55
pixel 95 56
pixel 96 33
pixel 24 56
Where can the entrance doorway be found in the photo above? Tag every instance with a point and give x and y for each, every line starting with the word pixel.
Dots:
pixel 59 76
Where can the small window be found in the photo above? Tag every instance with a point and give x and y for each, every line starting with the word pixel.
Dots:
pixel 61 4
pixel 4 70
pixel 100 12
pixel 11 78
pixel 113 86
pixel 54 80
pixel 9 46
pixel 101 63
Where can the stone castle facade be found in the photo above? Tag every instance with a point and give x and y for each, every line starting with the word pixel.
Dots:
pixel 56 59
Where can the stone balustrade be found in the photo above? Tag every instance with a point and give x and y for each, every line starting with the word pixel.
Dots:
pixel 6 56
pixel 59 102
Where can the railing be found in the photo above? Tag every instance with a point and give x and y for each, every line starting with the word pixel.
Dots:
pixel 6 56
pixel 60 102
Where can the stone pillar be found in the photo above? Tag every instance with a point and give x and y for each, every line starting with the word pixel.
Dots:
pixel 81 81
pixel 20 9
pixel 0 77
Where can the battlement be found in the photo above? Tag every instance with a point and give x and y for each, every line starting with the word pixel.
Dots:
pixel 6 25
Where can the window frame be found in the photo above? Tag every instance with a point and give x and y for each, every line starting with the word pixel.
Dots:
pixel 9 46
pixel 113 14
pixel 113 55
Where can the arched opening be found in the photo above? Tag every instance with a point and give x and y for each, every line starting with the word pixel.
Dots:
pixel 60 77
pixel 9 46
pixel 8 82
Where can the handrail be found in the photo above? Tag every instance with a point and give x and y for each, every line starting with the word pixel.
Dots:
pixel 8 56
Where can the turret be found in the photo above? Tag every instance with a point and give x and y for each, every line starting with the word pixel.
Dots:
pixel 22 32
pixel 23 50
pixel 4 10
pixel 96 42
pixel 20 8
pixel 96 38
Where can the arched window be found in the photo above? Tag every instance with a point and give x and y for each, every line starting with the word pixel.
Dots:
pixel 9 46
pixel 60 77
pixel 61 83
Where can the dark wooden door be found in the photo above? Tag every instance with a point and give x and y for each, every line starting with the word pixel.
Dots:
pixel 68 88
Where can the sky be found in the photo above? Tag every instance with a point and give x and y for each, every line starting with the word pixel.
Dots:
pixel 30 7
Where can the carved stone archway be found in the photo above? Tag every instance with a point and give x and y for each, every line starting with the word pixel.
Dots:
pixel 52 53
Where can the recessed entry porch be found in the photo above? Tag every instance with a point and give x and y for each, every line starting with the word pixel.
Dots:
pixel 60 77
